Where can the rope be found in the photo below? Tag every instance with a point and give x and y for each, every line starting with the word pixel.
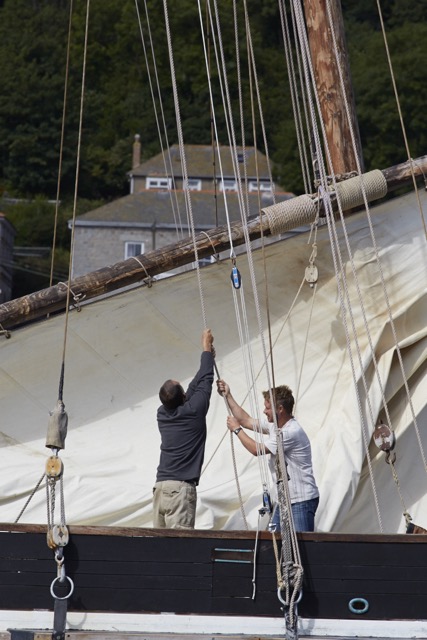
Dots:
pixel 402 124
pixel 187 196
pixel 291 214
pixel 165 153
pixel 226 101
pixel 302 210
pixel 215 254
pixel 356 191
pixel 142 266
pixel 252 67
pixel 343 293
pixel 390 315
pixel 241 104
pixel 341 271
pixel 253 76
pixel 294 95
pixel 306 335
pixel 61 146
pixel 257 306
pixel 236 476
pixel 292 570
pixel 76 180
pixel 377 254
pixel 211 102
pixel 58 422
pixel 30 498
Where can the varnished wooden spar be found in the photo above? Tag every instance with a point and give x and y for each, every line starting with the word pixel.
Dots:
pixel 332 96
pixel 150 264
pixel 127 272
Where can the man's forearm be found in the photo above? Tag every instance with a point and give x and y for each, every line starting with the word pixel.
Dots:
pixel 240 414
pixel 248 442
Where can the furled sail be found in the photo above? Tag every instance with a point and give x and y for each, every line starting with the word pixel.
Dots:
pixel 122 347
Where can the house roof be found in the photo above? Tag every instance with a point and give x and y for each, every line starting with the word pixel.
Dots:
pixel 202 161
pixel 168 208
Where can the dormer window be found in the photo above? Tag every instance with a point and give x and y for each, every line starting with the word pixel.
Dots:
pixel 194 184
pixel 228 185
pixel 158 183
pixel 263 186
pixel 241 157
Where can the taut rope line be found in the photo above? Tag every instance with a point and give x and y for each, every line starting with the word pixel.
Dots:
pixel 61 150
pixel 402 123
pixel 168 169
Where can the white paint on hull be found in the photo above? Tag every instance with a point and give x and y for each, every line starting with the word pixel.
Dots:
pixel 232 625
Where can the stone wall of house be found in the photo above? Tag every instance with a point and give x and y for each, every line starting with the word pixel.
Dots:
pixel 7 236
pixel 95 248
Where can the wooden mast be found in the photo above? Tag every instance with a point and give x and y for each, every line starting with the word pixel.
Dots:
pixel 131 271
pixel 332 96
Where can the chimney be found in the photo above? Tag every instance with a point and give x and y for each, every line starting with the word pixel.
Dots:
pixel 136 152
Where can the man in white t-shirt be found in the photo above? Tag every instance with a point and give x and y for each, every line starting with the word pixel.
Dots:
pixel 303 490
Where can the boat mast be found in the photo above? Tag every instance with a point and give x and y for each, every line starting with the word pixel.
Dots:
pixel 333 93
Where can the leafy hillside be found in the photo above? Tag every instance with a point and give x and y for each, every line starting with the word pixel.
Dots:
pixel 118 103
pixel 118 98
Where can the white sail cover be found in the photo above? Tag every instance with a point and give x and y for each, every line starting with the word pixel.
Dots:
pixel 121 349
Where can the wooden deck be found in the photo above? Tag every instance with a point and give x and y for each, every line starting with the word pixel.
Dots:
pixel 33 634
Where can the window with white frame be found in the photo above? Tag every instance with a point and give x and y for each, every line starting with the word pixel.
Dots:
pixel 194 184
pixel 203 262
pixel 158 183
pixel 228 185
pixel 133 249
pixel 261 186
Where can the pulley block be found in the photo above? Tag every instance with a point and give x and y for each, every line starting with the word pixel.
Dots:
pixel 384 437
pixel 311 274
pixel 57 536
pixel 54 467
pixel 236 278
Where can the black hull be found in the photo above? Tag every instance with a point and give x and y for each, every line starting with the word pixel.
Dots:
pixel 130 570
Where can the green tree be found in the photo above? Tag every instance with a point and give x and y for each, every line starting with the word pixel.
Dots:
pixel 118 101
pixel 31 44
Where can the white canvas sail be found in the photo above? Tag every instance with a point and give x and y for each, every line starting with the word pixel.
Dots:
pixel 120 350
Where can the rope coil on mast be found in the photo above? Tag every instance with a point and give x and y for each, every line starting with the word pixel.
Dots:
pixel 302 210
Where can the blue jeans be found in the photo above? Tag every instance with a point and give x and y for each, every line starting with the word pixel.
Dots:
pixel 303 515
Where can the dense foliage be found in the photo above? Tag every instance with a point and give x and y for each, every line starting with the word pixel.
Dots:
pixel 118 99
pixel 118 102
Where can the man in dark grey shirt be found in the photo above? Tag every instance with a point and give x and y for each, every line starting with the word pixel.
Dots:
pixel 181 419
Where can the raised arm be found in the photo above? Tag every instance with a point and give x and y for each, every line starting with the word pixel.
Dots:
pixel 207 341
pixel 207 345
pixel 243 418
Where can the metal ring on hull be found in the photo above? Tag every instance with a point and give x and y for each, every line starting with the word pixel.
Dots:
pixel 358 606
pixel 63 597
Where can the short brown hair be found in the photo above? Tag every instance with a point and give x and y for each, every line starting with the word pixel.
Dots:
pixel 281 395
